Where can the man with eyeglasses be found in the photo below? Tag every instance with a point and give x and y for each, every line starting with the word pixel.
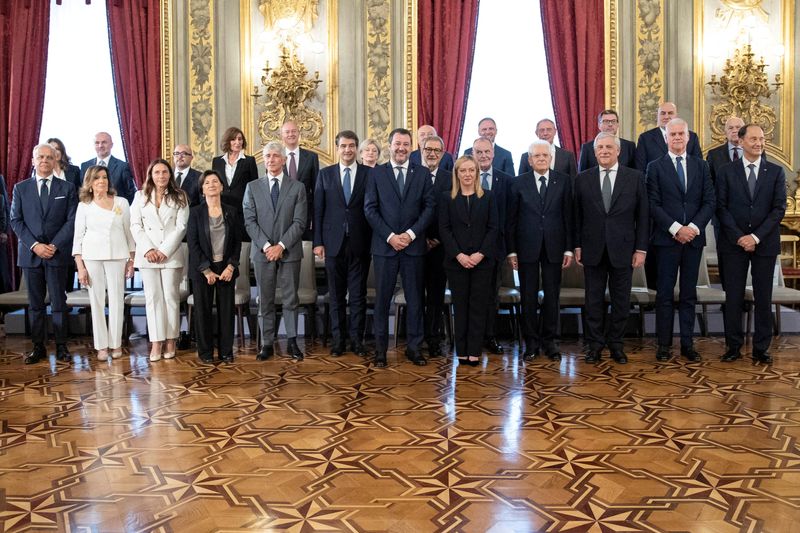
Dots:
pixel 423 132
pixel 608 122
pixel 185 175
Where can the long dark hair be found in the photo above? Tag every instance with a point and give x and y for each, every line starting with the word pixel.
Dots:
pixel 174 194
pixel 65 159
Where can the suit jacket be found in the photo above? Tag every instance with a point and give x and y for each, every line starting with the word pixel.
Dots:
pixel 718 157
pixel 740 215
pixel 500 187
pixel 4 210
pixel 532 226
pixel 101 234
pixel 158 228
pixel 447 162
pixel 442 183
pixel 334 218
pixel 669 204
pixel 627 155
pixel 198 237
pixel 246 171
pixel 284 223
pixel 565 163
pixel 191 186
pixel 307 171
pixel 388 211
pixel 651 146
pixel 503 160
pixel 468 229
pixel 73 175
pixel 621 231
pixel 119 173
pixel 53 226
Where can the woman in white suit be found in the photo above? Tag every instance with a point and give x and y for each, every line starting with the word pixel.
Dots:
pixel 103 248
pixel 158 222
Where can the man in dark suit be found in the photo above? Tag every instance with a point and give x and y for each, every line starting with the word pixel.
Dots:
pixel 561 160
pixel 498 182
pixel 423 132
pixel 681 204
pixel 301 165
pixel 43 217
pixel 652 144
pixel 608 122
pixel 751 202
pixel 539 237
pixel 5 266
pixel 341 237
pixel 399 206
pixel 119 173
pixel 503 161
pixel 612 227
pixel 435 277
pixel 186 176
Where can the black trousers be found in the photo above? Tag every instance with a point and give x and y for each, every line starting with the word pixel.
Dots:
pixel 762 270
pixel 204 293
pixel 347 274
pixel 42 280
pixel 471 289
pixel 671 260
pixel 619 287
pixel 540 331
pixel 410 269
pixel 435 282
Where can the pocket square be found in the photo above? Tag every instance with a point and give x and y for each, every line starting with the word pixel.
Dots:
pixel 59 197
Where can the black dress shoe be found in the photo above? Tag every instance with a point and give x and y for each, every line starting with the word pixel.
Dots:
pixel 294 350
pixel 265 353
pixel 434 349
pixel 619 357
pixel 337 348
pixel 416 358
pixel 227 358
pixel 691 354
pixel 731 355
pixel 206 358
pixel 553 354
pixel 380 359
pixel 36 355
pixel 762 357
pixel 358 349
pixel 62 353
pixel 663 354
pixel 530 354
pixel 592 356
pixel 493 346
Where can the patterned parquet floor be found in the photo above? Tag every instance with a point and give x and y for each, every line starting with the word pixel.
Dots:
pixel 337 445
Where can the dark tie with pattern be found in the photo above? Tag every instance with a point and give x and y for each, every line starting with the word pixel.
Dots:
pixel 607 190
pixel 101 163
pixel 751 179
pixel 179 178
pixel 346 186
pixel 44 194
pixel 681 173
pixel 543 188
pixel 274 192
pixel 735 153
pixel 292 166
pixel 401 180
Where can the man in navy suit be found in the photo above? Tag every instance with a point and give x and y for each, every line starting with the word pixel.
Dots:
pixel 423 132
pixel 186 176
pixel 118 171
pixel 341 237
pixel 608 122
pixel 652 144
pixel 43 217
pixel 498 182
pixel 503 161
pixel 681 204
pixel 561 160
pixel 751 202
pixel 301 165
pixel 399 205
pixel 539 236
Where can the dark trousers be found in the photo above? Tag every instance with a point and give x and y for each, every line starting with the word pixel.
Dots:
pixel 386 270
pixel 539 331
pixel 347 274
pixel 762 270
pixel 42 280
pixel 491 310
pixel 619 287
pixel 204 293
pixel 435 282
pixel 685 259
pixel 471 290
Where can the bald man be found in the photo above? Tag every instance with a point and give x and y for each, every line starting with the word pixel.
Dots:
pixel 186 176
pixel 119 173
pixel 423 132
pixel 652 144
pixel 729 150
pixel 301 165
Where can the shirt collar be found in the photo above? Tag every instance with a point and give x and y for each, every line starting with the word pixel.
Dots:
pixel 488 171
pixel 546 175
pixel 613 168
pixel 270 177
pixel 674 156
pixel 241 156
pixel 40 178
pixel 395 165
pixel 105 160
pixel 351 167
pixel 746 163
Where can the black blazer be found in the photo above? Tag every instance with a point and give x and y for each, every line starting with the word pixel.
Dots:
pixel 198 237
pixel 502 161
pixel 761 215
pixel 530 226
pixel 651 146
pixel 190 185
pixel 73 175
pixel 119 174
pixel 246 171
pixel 446 163
pixel 621 231
pixel 307 171
pixel 333 218
pixel 468 229
pixel 501 184
pixel 627 155
pixel 717 158
pixel 442 183
pixel 565 163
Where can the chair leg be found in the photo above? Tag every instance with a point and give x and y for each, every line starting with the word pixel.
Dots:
pixel 311 314
pixel 704 320
pixel 777 327
pixel 240 324
pixel 396 323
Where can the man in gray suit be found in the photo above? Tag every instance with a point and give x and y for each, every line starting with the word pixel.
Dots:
pixel 275 217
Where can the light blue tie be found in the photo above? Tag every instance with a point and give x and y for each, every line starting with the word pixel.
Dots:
pixel 346 185
pixel 401 180
pixel 485 181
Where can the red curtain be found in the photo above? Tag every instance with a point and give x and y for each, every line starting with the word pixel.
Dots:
pixel 573 42
pixel 446 45
pixel 135 35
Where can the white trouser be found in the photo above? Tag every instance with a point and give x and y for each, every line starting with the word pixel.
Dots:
pixel 162 302
pixel 106 276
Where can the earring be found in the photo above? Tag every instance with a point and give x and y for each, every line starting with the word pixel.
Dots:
pixel 90 189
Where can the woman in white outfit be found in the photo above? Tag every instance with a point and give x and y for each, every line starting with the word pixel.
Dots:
pixel 103 248
pixel 158 222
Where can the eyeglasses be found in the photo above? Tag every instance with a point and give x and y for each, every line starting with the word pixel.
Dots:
pixel 432 150
pixel 179 154
pixel 609 121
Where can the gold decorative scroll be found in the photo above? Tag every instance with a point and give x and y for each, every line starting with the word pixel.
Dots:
pixel 650 58
pixel 201 81
pixel 275 10
pixel 167 98
pixel 379 71
pixel 611 16
pixel 410 70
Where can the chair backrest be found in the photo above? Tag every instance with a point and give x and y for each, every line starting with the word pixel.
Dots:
pixel 371 275
pixel 711 241
pixel 572 277
pixel 308 278
pixel 639 278
pixel 243 281
pixel 703 279
pixel 184 286
pixel 778 280
pixel 507 276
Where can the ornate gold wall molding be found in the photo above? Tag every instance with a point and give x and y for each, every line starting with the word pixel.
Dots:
pixel 410 69
pixel 379 70
pixel 611 15
pixel 167 97
pixel 650 49
pixel 202 68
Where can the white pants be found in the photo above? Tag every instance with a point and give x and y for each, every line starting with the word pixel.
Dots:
pixel 162 302
pixel 106 276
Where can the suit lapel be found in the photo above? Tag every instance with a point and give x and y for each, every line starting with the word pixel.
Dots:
pixel 393 180
pixel 676 180
pixel 552 184
pixel 206 226
pixel 358 184
pixel 284 191
pixel 619 184
pixel 761 177
pixel 597 190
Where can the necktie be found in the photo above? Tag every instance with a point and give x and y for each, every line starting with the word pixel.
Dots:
pixel 292 166
pixel 735 154
pixel 44 195
pixel 274 192
pixel 101 163
pixel 751 179
pixel 681 173
pixel 543 188
pixel 485 181
pixel 346 185
pixel 607 190
pixel 401 180
pixel 179 178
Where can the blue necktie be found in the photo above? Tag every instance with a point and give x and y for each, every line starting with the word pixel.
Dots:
pixel 274 193
pixel 681 173
pixel 401 181
pixel 44 195
pixel 346 185
pixel 485 181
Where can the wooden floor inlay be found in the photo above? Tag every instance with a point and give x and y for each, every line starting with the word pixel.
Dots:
pixel 334 444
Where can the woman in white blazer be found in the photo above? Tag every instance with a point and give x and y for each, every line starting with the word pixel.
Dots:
pixel 103 248
pixel 158 222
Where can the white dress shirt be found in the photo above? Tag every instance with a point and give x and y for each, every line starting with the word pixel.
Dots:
pixel 676 226
pixel 352 168
pixel 404 166
pixel 230 170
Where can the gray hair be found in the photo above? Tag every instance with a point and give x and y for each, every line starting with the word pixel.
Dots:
pixel 604 135
pixel 481 138
pixel 678 122
pixel 430 138
pixel 274 146
pixel 538 142
pixel 43 145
